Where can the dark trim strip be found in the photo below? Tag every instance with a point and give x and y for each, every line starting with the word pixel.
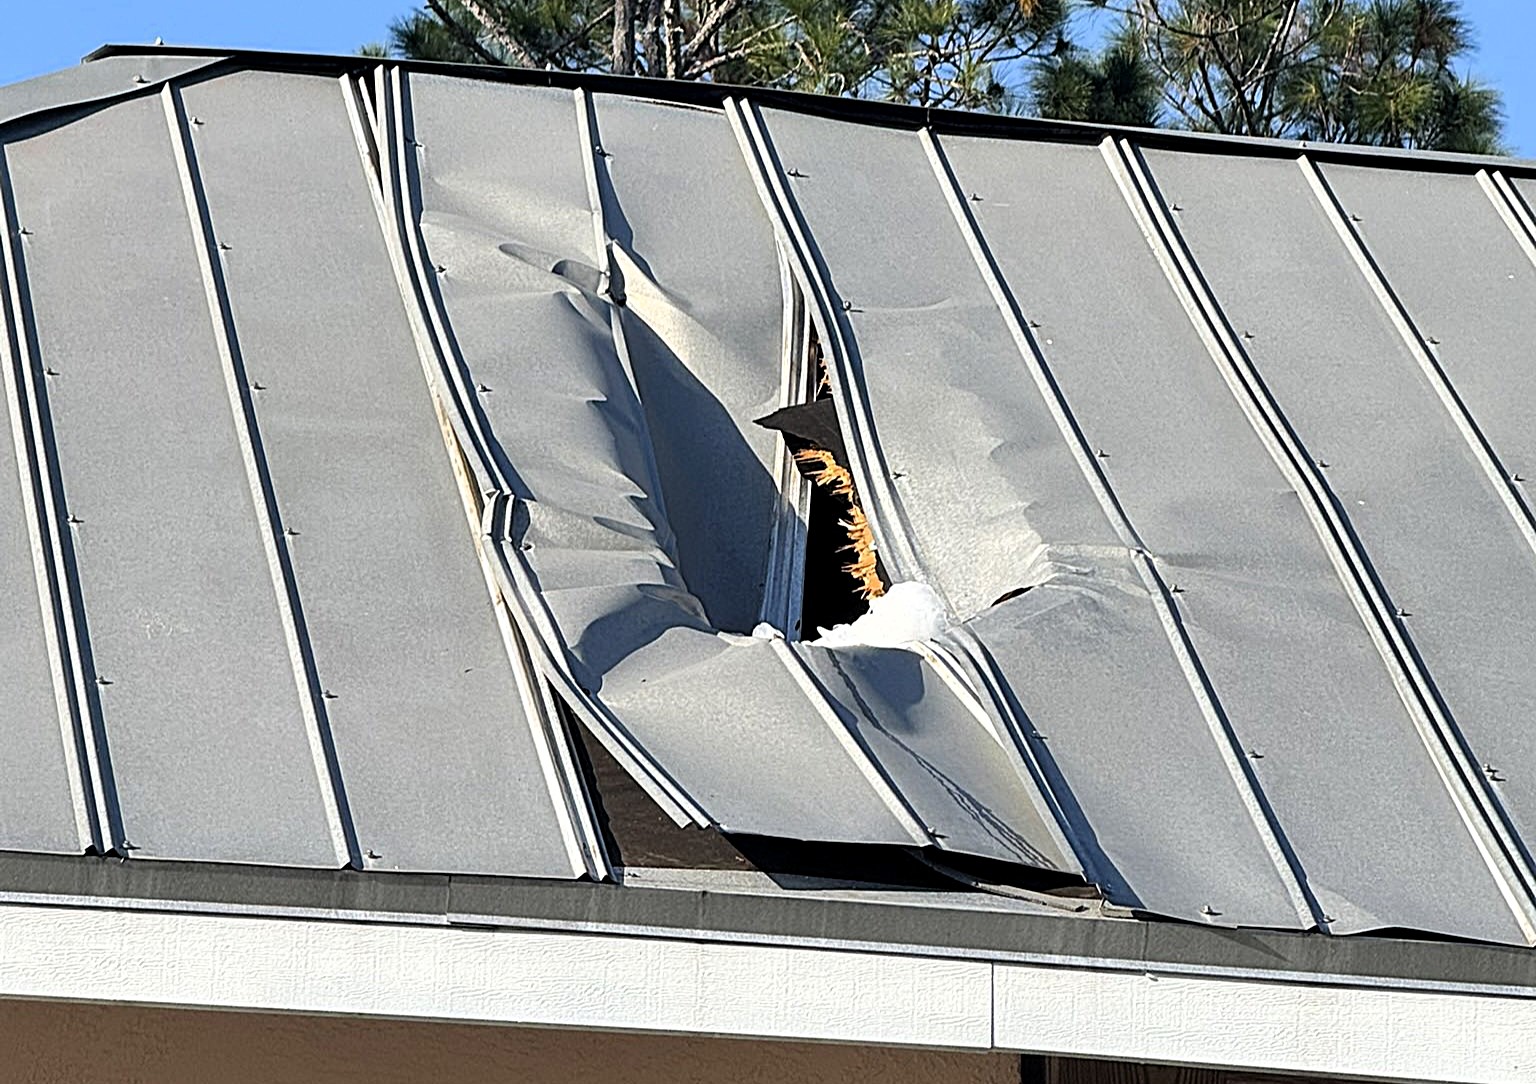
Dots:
pixel 1046 937
pixel 887 114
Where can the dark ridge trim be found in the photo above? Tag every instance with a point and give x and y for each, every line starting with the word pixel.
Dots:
pixel 885 114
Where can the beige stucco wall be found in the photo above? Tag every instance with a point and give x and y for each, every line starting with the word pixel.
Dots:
pixel 55 1043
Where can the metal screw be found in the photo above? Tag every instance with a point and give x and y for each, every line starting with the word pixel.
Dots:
pixel 102 681
pixel 1400 612
pixel 197 121
pixel 796 173
pixel 1355 218
pixel 847 305
pixel 223 246
pixel 126 846
pixel 1209 912
pixel 1102 454
pixel 1176 208
pixel 1519 477
pixel 1248 335
pixel 598 150
pixel 289 532
pixel 1175 589
pixel 1323 463
pixel 482 389
pixel 1433 341
pixel 1254 754
pixel 257 385
pixel 439 268
pixel 1493 774
pixel 326 694
pixel 48 370
pixel 373 854
pixel 975 197
pixel 140 78
pixel 24 232
pixel 75 519
pixel 1034 323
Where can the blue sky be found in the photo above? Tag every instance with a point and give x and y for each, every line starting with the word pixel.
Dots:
pixel 56 33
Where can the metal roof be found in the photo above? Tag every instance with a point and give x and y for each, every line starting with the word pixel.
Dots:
pixel 361 413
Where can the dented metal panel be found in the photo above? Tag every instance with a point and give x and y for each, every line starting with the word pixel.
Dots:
pixel 1255 586
pixel 1217 477
pixel 437 761
pixel 699 274
pixel 997 502
pixel 191 679
pixel 591 525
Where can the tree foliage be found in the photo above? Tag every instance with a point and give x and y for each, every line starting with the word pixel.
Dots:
pixel 1371 71
pixel 1360 71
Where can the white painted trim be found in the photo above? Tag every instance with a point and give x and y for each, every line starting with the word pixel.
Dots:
pixel 594 981
pixel 501 976
pixel 1330 1030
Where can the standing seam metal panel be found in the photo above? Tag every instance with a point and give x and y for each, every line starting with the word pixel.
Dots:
pixel 992 490
pixel 193 681
pixel 439 764
pixel 1432 539
pixel 45 793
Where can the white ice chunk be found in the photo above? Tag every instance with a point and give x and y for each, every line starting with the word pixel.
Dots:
pixel 905 613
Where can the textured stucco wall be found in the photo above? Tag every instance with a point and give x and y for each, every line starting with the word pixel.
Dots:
pixel 56 1043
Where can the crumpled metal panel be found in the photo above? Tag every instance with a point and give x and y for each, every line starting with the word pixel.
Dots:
pixel 997 502
pixel 192 679
pixel 1447 553
pixel 702 323
pixel 96 82
pixel 735 721
pixel 437 756
pixel 1257 592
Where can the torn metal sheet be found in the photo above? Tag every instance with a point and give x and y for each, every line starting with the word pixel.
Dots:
pixel 998 501
pixel 593 523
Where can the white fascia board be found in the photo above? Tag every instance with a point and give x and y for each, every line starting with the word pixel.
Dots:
pixel 493 976
pixel 619 983
pixel 1334 1031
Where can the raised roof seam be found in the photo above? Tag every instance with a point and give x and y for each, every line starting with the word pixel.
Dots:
pixel 784 580
pixel 477 477
pixel 893 535
pixel 1415 687
pixel 1414 339
pixel 263 501
pixel 38 479
pixel 1205 696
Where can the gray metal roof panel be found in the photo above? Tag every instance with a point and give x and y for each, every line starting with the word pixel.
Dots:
pixel 98 82
pixel 206 742
pixel 437 756
pixel 596 309
pixel 703 310
pixel 1444 547
pixel 997 501
pixel 1262 602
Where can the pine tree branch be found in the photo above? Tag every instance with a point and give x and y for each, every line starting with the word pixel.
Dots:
pixel 462 33
pixel 497 33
